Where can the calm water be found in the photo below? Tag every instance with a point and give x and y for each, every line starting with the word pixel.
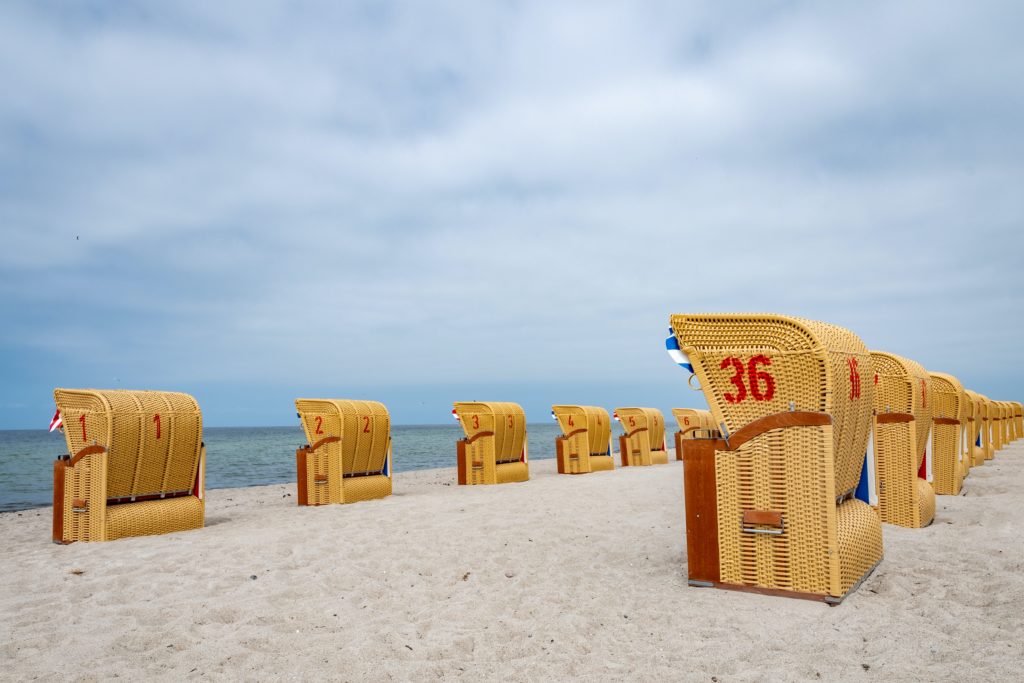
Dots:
pixel 236 456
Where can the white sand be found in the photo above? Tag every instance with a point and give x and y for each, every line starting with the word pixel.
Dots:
pixel 562 576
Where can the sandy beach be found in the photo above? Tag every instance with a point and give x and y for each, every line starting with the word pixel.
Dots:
pixel 561 577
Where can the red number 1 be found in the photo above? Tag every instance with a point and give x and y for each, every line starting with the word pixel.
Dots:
pixel 924 395
pixel 156 419
pixel 366 424
pixel 511 422
pixel 81 418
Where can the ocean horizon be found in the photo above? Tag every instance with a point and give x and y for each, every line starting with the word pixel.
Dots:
pixel 240 456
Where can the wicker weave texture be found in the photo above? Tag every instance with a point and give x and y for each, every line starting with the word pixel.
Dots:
pixel 694 423
pixel 362 451
pixel 860 541
pixel 151 517
pixel 496 441
pixel 636 425
pixel 813 366
pixel 153 437
pixel 763 475
pixel 153 442
pixel 949 402
pixel 590 430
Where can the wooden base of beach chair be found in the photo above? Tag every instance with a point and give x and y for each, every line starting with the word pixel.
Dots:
pixel 633 450
pixel 601 463
pixel 82 512
pixel 570 453
pixel 470 472
pixel 313 476
pixel 659 457
pixel 836 562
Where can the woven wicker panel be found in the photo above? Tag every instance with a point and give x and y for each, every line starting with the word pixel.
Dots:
pixel 763 475
pixel 903 386
pixel 986 426
pixel 153 437
pixel 599 428
pixel 600 463
pixel 635 422
pixel 154 517
pixel 814 367
pixel 509 472
pixel 656 429
pixel 860 541
pixel 897 465
pixel 507 422
pixel 948 440
pixel 363 426
pixel 366 488
pixel 925 503
pixel 1018 420
pixel 86 481
pixel 323 476
pixel 574 420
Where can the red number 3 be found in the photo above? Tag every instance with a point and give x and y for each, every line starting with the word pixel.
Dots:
pixel 476 422
pixel 737 380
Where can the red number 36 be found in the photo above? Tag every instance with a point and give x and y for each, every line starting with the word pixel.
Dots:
pixel 762 384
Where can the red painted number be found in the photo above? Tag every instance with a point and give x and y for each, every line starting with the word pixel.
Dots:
pixel 686 421
pixel 156 421
pixel 366 424
pixel 476 422
pixel 319 424
pixel 855 378
pixel 632 422
pixel 762 384
pixel 511 421
pixel 737 380
pixel 81 418
pixel 924 395
pixel 571 423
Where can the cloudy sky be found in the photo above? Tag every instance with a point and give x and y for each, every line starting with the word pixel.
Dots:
pixel 426 202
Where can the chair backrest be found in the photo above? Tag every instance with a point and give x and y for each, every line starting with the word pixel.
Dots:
pixel 506 421
pixel 694 422
pixel 751 366
pixel 153 438
pixel 593 419
pixel 950 445
pixel 974 416
pixel 364 428
pixel 904 386
pixel 656 429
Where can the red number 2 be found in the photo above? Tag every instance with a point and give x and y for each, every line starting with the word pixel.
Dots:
pixel 319 424
pixel 81 418
pixel 156 420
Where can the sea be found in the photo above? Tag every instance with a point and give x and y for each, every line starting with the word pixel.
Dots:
pixel 237 456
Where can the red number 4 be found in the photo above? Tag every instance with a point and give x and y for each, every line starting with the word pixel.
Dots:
pixel 755 378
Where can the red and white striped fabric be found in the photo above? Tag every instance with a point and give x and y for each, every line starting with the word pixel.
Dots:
pixel 455 415
pixel 57 421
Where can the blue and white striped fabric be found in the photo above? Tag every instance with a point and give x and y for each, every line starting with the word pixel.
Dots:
pixel 866 486
pixel 677 356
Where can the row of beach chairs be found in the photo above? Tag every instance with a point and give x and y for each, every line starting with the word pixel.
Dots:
pixel 810 442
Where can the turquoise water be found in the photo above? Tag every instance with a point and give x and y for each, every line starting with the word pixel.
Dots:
pixel 236 456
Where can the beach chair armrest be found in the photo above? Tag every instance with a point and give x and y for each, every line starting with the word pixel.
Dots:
pixel 776 421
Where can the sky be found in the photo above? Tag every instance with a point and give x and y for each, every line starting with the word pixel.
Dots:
pixel 422 203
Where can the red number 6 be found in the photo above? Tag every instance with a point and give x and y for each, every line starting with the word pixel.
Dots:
pixel 756 377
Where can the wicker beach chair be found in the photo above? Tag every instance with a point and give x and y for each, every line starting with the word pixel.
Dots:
pixel 987 416
pixel 586 442
pixel 694 423
pixel 950 454
pixel 902 438
pixel 136 465
pixel 977 427
pixel 348 453
pixel 1018 421
pixel 643 442
pixel 495 448
pixel 770 506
